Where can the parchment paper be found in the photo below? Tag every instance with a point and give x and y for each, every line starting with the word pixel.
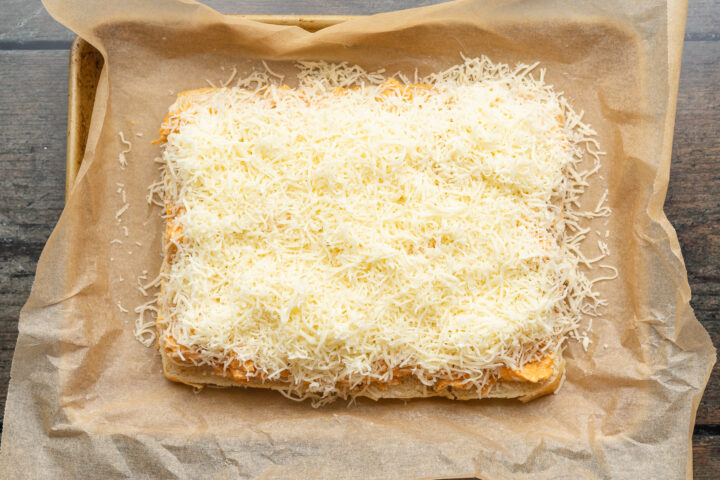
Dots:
pixel 86 400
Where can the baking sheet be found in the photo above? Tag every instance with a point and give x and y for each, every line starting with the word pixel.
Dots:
pixel 88 400
pixel 85 67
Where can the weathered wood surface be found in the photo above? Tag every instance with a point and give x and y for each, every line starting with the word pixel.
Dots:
pixel 692 203
pixel 33 112
pixel 706 455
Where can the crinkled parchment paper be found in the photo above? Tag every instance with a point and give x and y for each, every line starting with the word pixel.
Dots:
pixel 87 400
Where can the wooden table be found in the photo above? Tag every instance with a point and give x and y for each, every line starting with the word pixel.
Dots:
pixel 33 113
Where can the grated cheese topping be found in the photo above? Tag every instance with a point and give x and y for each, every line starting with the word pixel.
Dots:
pixel 335 234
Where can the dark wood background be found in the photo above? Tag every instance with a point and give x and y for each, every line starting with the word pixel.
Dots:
pixel 33 118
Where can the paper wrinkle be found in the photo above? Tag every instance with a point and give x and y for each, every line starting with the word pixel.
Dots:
pixel 138 452
pixel 78 290
pixel 90 401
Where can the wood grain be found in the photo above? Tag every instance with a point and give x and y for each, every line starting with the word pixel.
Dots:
pixel 26 24
pixel 692 202
pixel 706 456
pixel 17 269
pixel 32 144
pixel 709 409
pixel 703 21
pixel 32 175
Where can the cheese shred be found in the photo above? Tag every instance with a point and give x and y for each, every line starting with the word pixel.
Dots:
pixel 122 155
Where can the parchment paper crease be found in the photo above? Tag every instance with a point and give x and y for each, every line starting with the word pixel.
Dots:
pixel 86 400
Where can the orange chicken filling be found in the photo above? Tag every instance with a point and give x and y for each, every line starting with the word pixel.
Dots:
pixel 241 372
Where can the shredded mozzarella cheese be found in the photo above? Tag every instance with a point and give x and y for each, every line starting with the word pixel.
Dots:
pixel 122 155
pixel 120 211
pixel 338 235
pixel 145 329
